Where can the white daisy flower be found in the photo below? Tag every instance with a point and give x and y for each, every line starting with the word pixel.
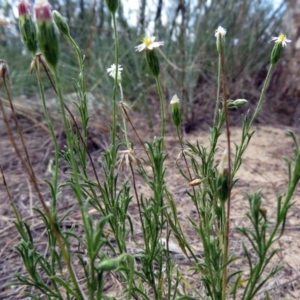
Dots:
pixel 281 39
pixel 148 44
pixel 112 71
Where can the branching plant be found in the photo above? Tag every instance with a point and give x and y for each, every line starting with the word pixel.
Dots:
pixel 150 271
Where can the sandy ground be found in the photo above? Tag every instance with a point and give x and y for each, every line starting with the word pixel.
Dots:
pixel 263 169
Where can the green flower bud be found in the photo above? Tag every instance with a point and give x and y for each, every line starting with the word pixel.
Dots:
pixel 112 5
pixel 239 102
pixel 280 42
pixel 108 265
pixel 222 185
pixel 27 27
pixel 176 113
pixel 61 23
pixel 236 103
pixel 222 179
pixel 153 62
pixel 47 33
pixel 276 53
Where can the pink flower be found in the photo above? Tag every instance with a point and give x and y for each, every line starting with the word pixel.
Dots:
pixel 42 10
pixel 23 8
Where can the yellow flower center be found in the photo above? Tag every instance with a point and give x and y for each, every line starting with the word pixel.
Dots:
pixel 147 41
pixel 281 38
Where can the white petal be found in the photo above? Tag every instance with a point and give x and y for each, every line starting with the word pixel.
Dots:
pixel 174 99
pixel 140 47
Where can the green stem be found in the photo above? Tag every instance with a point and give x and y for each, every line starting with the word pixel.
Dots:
pixel 187 167
pixel 83 102
pixel 76 185
pixel 124 119
pixel 242 148
pixel 114 121
pixel 162 111
pixel 227 219
pixel 55 169
pixel 205 235
pixel 218 91
pixel 56 149
pixel 113 149
pixel 179 137
pixel 224 228
pixel 262 96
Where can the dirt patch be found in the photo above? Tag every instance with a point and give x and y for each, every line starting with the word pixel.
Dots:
pixel 263 169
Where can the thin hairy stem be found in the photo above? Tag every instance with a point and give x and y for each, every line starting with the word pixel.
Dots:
pixel 77 128
pixel 137 198
pixel 133 128
pixel 76 186
pixel 227 222
pixel 218 92
pixel 162 111
pixel 187 167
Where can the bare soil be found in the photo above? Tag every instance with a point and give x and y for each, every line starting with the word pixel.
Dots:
pixel 263 169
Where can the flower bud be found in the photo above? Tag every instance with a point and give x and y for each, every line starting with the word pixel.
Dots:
pixel 112 5
pixel 276 53
pixel 61 23
pixel 239 102
pixel 176 113
pixel 222 179
pixel 27 27
pixel 153 62
pixel 236 103
pixel 108 265
pixel 280 42
pixel 222 185
pixel 47 33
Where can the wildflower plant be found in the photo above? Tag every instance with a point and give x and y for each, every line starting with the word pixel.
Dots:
pixel 149 45
pixel 150 272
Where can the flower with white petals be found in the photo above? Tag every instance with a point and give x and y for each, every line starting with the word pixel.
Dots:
pixel 174 100
pixel 148 44
pixel 112 71
pixel 281 39
pixel 220 31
